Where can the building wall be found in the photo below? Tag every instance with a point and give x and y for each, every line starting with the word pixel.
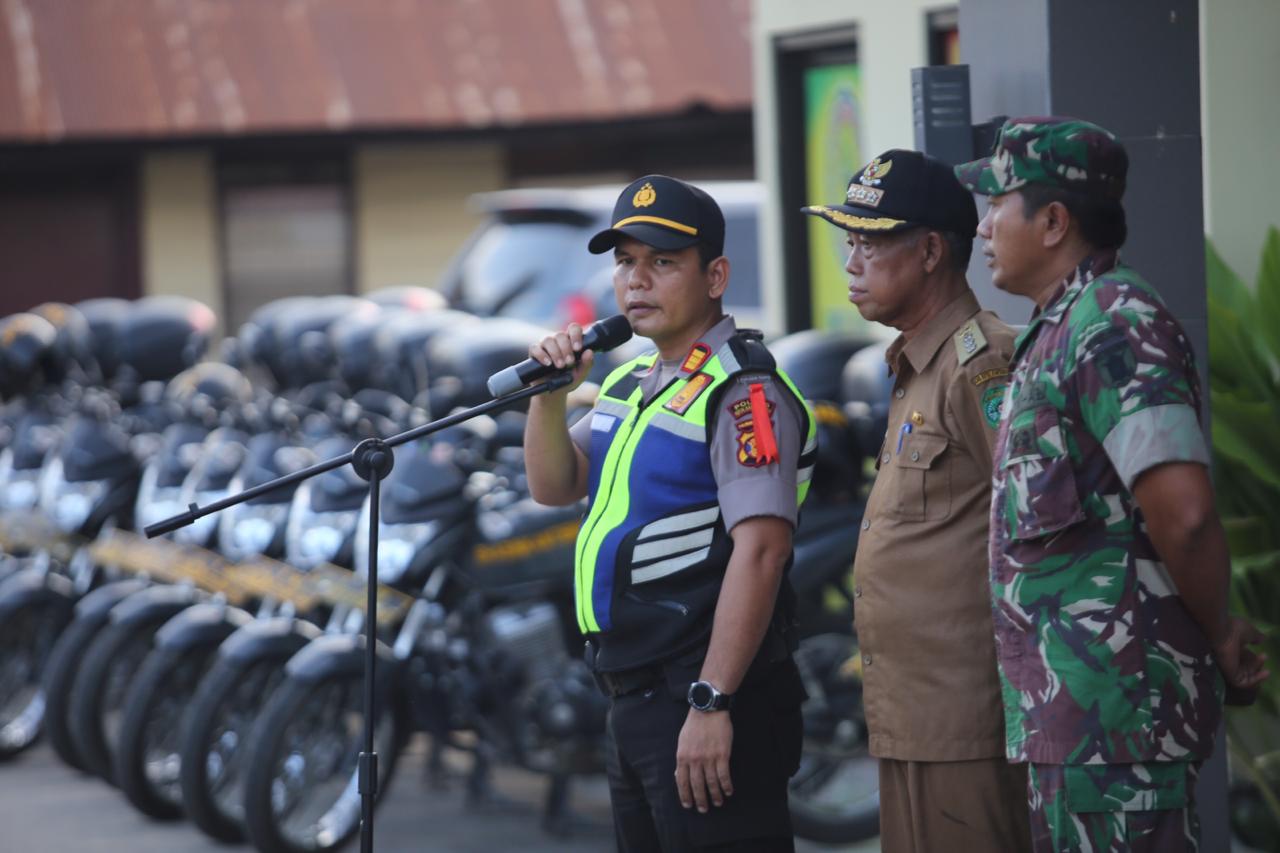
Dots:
pixel 892 39
pixel 411 210
pixel 179 226
pixel 1240 63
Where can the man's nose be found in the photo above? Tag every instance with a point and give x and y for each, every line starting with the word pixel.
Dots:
pixel 853 266
pixel 984 225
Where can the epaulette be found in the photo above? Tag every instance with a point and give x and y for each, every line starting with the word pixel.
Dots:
pixel 969 341
pixel 750 352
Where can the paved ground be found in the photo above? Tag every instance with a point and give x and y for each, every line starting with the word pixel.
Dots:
pixel 47 808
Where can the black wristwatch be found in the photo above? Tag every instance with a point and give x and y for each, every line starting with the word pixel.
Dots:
pixel 703 696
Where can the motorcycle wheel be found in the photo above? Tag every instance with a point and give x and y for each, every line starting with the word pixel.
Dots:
pixel 97 695
pixel 59 676
pixel 27 636
pixel 146 756
pixel 835 795
pixel 301 788
pixel 212 765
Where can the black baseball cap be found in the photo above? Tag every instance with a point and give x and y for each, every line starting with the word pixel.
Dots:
pixel 665 213
pixel 903 189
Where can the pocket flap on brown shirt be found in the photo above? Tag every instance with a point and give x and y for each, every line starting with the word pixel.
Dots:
pixel 921 450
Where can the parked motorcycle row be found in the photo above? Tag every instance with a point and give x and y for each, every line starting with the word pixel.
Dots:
pixel 215 674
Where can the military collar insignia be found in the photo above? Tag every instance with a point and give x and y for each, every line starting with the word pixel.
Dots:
pixel 875 172
pixel 644 196
pixel 698 355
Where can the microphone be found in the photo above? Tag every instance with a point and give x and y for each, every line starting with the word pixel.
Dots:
pixel 601 337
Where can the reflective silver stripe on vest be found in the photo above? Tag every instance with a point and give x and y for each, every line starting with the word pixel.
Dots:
pixel 804 475
pixel 679 523
pixel 612 407
pixel 674 545
pixel 678 426
pixel 810 445
pixel 668 567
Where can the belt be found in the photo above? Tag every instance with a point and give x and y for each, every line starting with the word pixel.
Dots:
pixel 614 684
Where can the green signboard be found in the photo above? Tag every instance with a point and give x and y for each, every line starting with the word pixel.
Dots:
pixel 833 115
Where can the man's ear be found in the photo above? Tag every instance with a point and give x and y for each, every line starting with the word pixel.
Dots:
pixel 1056 223
pixel 718 276
pixel 931 246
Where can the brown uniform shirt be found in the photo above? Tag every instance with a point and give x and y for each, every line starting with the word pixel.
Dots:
pixel 922 605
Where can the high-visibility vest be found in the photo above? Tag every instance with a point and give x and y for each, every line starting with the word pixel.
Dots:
pixel 653 549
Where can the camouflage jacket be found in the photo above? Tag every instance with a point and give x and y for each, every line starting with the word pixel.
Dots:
pixel 1100 662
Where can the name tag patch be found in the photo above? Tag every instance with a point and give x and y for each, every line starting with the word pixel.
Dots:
pixel 600 422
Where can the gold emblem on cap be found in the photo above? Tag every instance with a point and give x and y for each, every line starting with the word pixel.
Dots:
pixel 874 172
pixel 917 419
pixel 644 196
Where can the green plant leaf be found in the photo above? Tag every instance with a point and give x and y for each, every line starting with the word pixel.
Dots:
pixel 1224 285
pixel 1245 431
pixel 1268 294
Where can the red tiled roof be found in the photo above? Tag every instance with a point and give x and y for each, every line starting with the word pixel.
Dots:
pixel 162 68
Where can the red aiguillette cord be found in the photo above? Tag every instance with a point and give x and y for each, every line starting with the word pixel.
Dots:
pixel 766 444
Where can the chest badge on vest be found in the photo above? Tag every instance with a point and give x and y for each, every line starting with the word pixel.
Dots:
pixel 685 397
pixel 969 341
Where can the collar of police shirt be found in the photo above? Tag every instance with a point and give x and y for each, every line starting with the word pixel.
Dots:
pixel 653 381
pixel 920 349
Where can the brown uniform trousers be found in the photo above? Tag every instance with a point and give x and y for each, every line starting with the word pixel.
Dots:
pixel 922 600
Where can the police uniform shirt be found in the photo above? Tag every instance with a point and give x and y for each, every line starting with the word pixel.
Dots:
pixel 922 605
pixel 746 488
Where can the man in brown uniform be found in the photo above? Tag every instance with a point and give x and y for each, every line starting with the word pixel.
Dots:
pixel 922 603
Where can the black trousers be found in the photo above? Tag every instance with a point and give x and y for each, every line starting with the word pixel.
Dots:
pixel 643 730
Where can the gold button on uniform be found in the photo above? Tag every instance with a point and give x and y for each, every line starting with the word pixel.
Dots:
pixel 915 456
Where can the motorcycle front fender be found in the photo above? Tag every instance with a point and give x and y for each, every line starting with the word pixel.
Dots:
pixel 153 604
pixel 279 637
pixel 200 625
pixel 333 655
pixel 31 587
pixel 98 603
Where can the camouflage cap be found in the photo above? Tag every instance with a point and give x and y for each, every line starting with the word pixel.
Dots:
pixel 1061 152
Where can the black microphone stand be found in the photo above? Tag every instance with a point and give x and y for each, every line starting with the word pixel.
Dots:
pixel 372 461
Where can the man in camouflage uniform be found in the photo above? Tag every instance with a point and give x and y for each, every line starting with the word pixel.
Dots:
pixel 1109 567
pixel 931 691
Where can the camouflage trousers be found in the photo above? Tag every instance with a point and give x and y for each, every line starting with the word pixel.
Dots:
pixel 1113 808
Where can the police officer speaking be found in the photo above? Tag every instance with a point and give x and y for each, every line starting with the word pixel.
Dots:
pixel 921 601
pixel 694 462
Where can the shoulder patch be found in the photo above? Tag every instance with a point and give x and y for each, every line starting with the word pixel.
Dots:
pixel 685 397
pixel 987 375
pixel 969 341
pixel 992 404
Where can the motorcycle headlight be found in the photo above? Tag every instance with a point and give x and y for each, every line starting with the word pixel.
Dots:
pixel 397 543
pixel 246 530
pixel 21 490
pixel 68 504
pixel 155 503
pixel 160 504
pixel 312 538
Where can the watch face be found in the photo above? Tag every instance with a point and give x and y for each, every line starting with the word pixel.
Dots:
pixel 701 695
